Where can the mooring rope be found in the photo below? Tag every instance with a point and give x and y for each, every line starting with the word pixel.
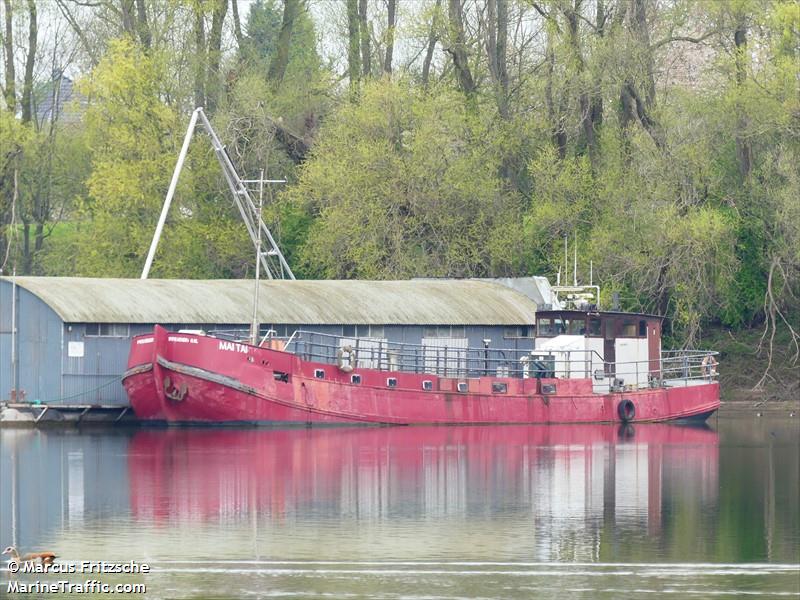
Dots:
pixel 78 395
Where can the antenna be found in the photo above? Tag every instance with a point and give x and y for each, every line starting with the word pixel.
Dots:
pixel 273 260
pixel 575 263
pixel 566 258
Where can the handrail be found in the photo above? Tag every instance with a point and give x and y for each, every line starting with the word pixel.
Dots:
pixel 673 367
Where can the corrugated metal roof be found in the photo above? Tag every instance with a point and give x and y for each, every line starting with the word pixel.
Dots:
pixel 412 302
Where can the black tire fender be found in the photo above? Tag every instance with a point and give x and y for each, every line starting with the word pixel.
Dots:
pixel 626 410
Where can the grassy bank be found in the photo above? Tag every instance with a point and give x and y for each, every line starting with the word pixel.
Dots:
pixel 744 360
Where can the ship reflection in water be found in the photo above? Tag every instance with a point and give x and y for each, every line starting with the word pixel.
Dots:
pixel 506 511
pixel 554 488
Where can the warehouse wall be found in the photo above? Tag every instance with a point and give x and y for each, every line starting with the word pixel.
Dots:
pixel 38 344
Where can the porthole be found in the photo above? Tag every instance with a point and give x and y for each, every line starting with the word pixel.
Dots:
pixel 319 373
pixel 391 382
pixel 355 379
pixel 427 385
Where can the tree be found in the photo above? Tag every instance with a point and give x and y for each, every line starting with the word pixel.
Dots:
pixel 397 189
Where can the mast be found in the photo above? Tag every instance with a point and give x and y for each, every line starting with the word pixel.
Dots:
pixel 575 261
pixel 272 260
pixel 254 328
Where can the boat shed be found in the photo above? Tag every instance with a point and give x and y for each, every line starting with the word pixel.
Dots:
pixel 66 339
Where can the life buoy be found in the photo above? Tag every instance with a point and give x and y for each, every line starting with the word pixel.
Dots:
pixel 346 359
pixel 626 411
pixel 709 366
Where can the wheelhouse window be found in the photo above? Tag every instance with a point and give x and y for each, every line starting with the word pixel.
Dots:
pixel 628 328
pixel 548 327
pixel 552 326
pixel 643 328
pixel 575 326
pixel 595 327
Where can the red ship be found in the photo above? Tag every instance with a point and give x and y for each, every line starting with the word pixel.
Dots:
pixel 585 366
pixel 312 378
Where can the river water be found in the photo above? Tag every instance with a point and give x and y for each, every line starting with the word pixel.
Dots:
pixel 412 512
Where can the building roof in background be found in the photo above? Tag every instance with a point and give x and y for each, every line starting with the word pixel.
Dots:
pixel 230 301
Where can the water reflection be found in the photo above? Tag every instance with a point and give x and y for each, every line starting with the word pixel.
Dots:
pixel 420 506
pixel 568 482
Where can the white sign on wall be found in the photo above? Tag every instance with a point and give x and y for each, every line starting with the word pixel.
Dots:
pixel 75 350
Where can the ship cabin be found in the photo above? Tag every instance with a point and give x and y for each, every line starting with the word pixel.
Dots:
pixel 615 349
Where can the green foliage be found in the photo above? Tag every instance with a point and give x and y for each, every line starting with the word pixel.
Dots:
pixel 131 135
pixel 666 141
pixel 398 187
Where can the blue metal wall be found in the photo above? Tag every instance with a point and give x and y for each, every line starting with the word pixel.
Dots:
pixel 38 341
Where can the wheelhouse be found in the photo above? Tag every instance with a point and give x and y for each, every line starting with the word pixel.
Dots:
pixel 623 347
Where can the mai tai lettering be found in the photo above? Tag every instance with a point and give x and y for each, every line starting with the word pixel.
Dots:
pixel 233 347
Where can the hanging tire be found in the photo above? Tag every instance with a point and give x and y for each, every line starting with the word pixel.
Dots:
pixel 626 411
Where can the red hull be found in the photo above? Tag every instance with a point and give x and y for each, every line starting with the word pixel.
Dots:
pixel 201 378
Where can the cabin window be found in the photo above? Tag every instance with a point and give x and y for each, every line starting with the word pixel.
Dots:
pixel 349 331
pixel 499 388
pixel 575 326
pixel 595 327
pixel 628 328
pixel 355 379
pixel 319 373
pixel 643 328
pixel 463 386
pixel 280 376
pixel 610 328
pixel 546 327
pixel 107 330
pixel 557 326
pixel 391 382
pixel 427 385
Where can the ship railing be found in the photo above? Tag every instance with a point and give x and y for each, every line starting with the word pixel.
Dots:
pixel 233 335
pixel 675 368
pixel 440 360
pixel 689 367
